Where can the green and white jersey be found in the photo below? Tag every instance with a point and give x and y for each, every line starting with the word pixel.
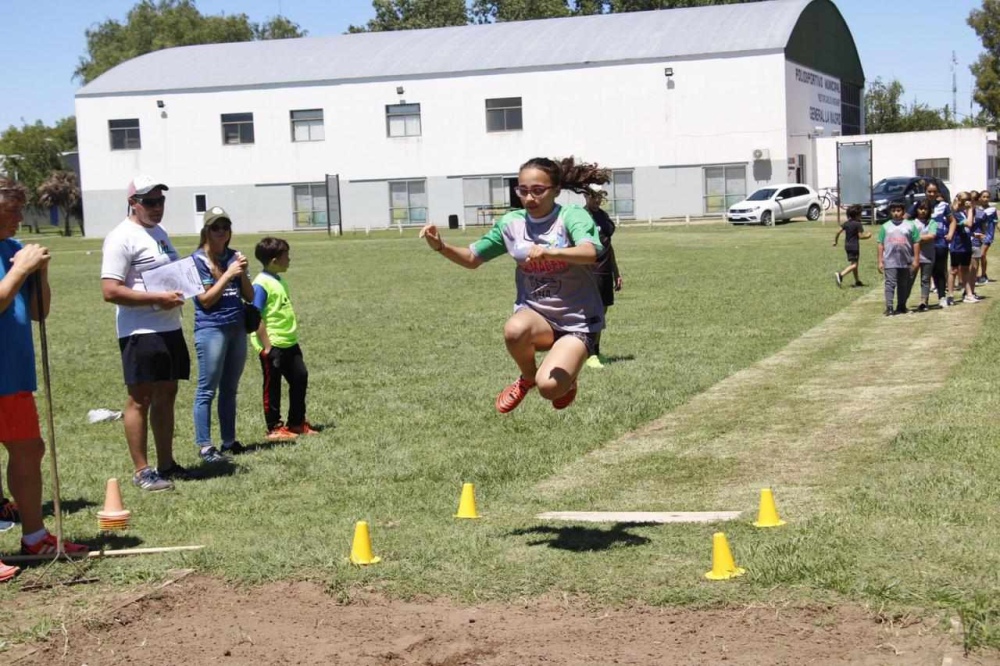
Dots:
pixel 897 243
pixel 927 249
pixel 565 294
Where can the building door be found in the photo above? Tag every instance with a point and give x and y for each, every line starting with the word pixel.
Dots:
pixel 200 206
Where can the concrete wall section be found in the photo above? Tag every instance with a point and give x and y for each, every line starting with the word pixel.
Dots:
pixel 896 154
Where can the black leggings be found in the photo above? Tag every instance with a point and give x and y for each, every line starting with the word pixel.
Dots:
pixel 287 363
pixel 940 273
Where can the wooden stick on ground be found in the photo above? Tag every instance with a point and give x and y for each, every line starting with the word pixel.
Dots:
pixel 102 553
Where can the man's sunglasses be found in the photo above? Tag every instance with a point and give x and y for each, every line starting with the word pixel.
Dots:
pixel 150 202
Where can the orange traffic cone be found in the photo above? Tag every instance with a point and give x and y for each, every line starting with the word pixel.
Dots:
pixel 114 516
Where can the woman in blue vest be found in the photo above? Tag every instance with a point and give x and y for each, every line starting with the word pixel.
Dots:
pixel 219 334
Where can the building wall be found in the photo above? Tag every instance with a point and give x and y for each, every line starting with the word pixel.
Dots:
pixel 896 154
pixel 623 116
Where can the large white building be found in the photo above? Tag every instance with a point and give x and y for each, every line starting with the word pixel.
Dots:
pixel 692 108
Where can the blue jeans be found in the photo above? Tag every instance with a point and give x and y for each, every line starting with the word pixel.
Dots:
pixel 222 353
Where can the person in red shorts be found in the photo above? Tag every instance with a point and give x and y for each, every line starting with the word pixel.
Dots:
pixel 23 270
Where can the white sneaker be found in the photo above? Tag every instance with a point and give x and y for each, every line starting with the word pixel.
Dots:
pixel 944 302
pixel 970 299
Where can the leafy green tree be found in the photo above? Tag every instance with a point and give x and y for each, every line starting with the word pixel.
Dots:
pixel 61 190
pixel 31 153
pixel 151 26
pixel 491 11
pixel 986 23
pixel 413 15
pixel 886 112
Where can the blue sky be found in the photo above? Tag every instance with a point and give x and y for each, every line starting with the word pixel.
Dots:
pixel 41 44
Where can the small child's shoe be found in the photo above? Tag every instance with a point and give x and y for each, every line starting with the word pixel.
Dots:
pixel 280 434
pixel 304 429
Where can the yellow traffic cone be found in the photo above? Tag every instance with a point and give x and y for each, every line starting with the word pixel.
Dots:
pixel 467 505
pixel 361 547
pixel 723 566
pixel 767 515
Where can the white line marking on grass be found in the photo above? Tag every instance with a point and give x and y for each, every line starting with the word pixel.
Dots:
pixel 789 421
pixel 640 516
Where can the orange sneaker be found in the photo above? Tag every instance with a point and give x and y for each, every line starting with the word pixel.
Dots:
pixel 304 429
pixel 512 396
pixel 48 546
pixel 7 572
pixel 280 434
pixel 566 399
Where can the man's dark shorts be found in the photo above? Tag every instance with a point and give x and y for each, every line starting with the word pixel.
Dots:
pixel 155 357
pixel 853 256
pixel 961 259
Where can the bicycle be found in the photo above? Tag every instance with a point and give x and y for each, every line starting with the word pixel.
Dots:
pixel 829 197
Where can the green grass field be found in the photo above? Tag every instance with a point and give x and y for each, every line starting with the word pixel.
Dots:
pixel 405 354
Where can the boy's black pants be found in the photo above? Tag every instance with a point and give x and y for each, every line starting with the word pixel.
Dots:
pixel 287 363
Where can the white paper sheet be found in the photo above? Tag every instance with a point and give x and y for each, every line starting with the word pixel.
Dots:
pixel 181 275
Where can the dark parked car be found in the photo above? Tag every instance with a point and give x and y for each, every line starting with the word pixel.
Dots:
pixel 909 189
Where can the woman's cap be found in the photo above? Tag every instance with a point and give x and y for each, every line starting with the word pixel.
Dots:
pixel 214 214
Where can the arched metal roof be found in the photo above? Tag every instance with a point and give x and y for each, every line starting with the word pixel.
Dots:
pixel 754 27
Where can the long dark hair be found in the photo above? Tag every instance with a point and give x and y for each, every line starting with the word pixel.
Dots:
pixel 566 173
pixel 213 267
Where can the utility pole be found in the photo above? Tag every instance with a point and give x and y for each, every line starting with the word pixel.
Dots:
pixel 954 86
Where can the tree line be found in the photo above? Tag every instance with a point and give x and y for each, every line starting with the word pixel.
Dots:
pixel 32 151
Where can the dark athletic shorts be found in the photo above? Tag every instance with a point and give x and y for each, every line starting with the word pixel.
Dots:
pixel 853 256
pixel 155 357
pixel 961 259
pixel 588 339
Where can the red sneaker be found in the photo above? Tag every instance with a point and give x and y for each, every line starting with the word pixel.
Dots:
pixel 512 396
pixel 304 429
pixel 7 572
pixel 280 434
pixel 48 546
pixel 566 399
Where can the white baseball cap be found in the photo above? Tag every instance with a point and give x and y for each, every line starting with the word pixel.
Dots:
pixel 144 184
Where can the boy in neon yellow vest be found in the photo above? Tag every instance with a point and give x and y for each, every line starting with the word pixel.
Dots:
pixel 277 344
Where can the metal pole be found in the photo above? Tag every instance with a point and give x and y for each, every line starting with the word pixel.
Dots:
pixel 46 382
pixel 326 179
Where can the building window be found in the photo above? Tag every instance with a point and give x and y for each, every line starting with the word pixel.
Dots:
pixel 237 128
pixel 936 168
pixel 621 194
pixel 850 109
pixel 724 186
pixel 504 114
pixel 407 202
pixel 310 205
pixel 307 125
pixel 485 199
pixel 402 120
pixel 124 134
pixel 200 204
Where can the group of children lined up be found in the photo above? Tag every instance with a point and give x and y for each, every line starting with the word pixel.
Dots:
pixel 921 241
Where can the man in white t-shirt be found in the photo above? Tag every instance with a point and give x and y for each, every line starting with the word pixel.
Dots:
pixel 154 352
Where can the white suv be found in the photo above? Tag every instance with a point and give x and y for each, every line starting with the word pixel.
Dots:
pixel 776 202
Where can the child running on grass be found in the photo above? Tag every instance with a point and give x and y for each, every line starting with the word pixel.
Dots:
pixel 277 344
pixel 853 232
pixel 898 250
